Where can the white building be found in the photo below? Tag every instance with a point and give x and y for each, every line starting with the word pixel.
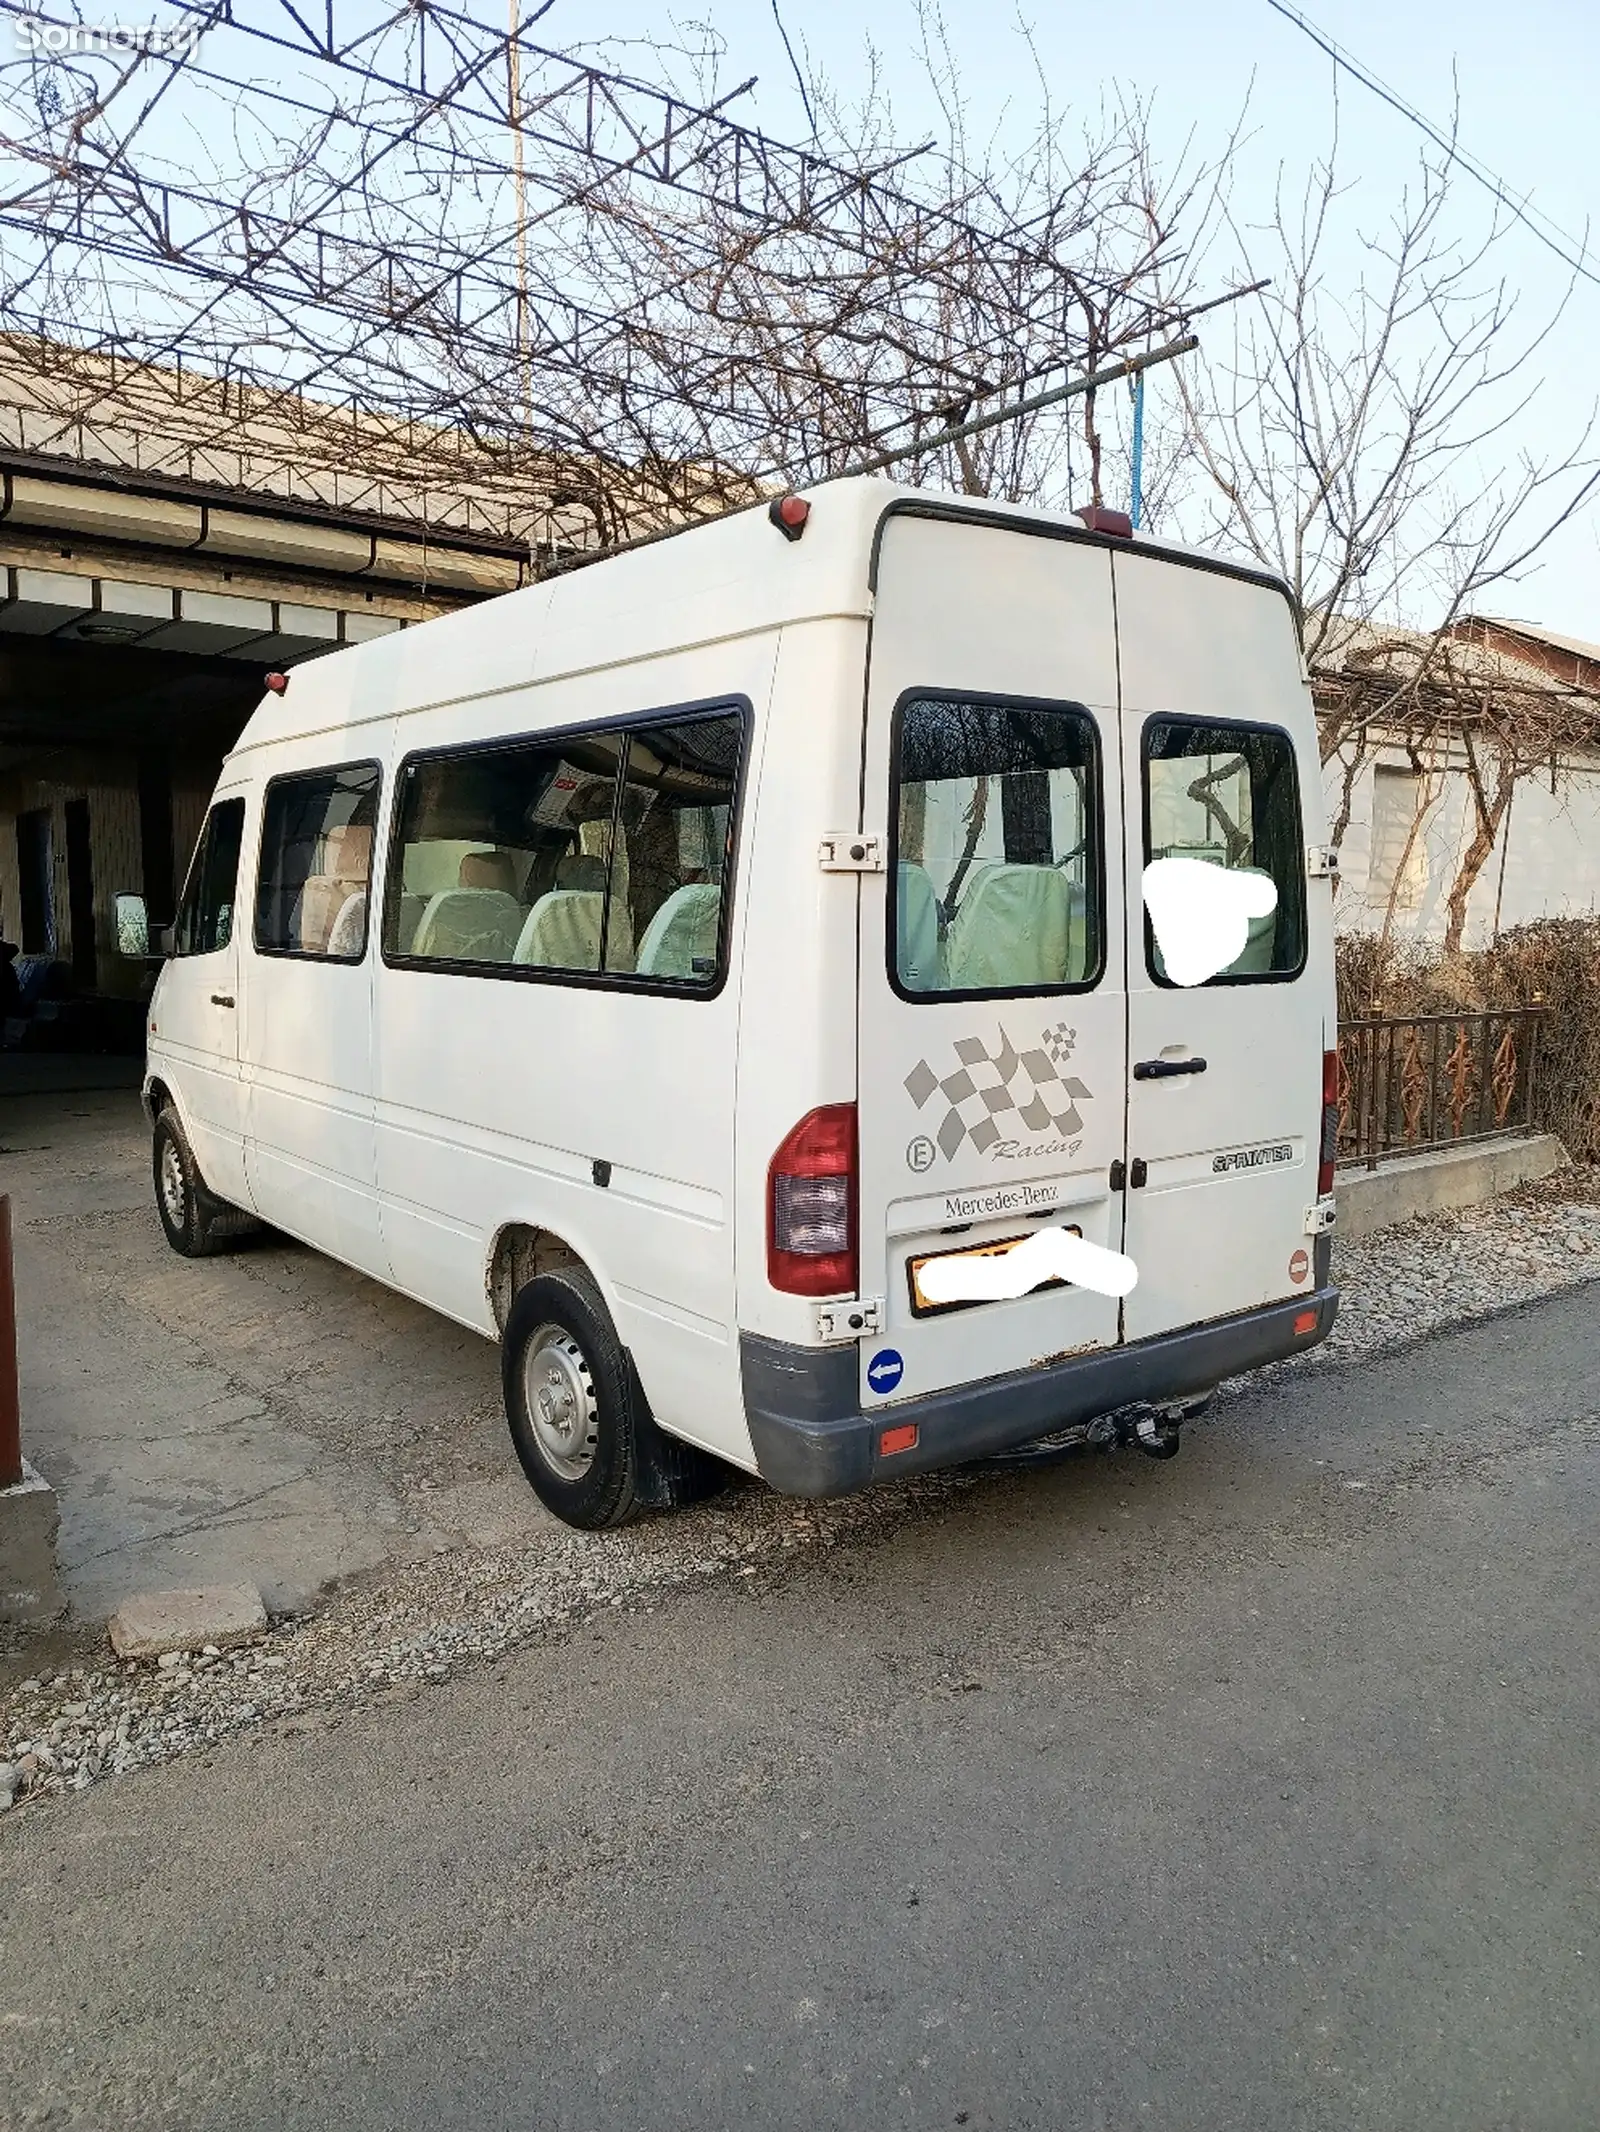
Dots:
pixel 1411 817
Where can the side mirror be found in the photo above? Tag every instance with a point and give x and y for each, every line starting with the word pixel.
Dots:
pixel 133 928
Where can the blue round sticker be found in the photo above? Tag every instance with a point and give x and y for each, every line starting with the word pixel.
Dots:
pixel 885 1369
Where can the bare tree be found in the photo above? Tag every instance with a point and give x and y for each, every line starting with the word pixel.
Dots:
pixel 1352 438
pixel 1043 259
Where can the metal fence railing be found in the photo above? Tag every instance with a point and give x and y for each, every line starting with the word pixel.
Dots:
pixel 1426 1081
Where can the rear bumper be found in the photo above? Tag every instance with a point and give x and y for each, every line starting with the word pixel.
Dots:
pixel 811 1437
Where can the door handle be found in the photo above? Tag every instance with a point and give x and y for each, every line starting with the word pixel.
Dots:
pixel 222 999
pixel 1166 1069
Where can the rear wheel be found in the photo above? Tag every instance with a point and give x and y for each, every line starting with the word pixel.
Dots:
pixel 196 1222
pixel 583 1433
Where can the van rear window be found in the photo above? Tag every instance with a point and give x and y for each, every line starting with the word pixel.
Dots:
pixel 1228 795
pixel 600 854
pixel 996 886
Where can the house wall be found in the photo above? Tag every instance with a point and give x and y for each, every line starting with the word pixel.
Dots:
pixel 1546 862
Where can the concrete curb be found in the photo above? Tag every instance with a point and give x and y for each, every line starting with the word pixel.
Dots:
pixel 1450 1177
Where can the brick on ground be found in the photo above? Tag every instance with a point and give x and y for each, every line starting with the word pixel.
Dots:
pixel 185 1621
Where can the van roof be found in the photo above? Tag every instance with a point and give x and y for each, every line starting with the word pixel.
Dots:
pixel 731 576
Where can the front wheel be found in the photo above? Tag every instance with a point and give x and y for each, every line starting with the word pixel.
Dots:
pixel 582 1431
pixel 196 1223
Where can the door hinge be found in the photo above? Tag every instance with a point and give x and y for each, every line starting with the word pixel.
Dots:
pixel 846 853
pixel 1321 860
pixel 850 1321
pixel 1119 1175
pixel 1321 1216
pixel 1138 1174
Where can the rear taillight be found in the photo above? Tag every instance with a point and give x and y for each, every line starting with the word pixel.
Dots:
pixel 1330 1122
pixel 811 1206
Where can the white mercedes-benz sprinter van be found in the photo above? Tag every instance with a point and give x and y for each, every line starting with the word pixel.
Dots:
pixel 655 968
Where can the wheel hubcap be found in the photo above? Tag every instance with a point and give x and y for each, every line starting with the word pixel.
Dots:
pixel 174 1192
pixel 561 1402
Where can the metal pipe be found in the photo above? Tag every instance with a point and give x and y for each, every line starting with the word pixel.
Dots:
pixel 10 1397
pixel 1092 383
pixel 1131 367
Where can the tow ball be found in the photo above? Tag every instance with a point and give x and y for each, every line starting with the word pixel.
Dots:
pixel 1152 1430
pixel 1157 1435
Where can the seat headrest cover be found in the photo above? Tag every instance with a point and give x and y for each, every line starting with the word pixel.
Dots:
pixel 488 869
pixel 469 925
pixel 1012 931
pixel 562 931
pixel 917 929
pixel 347 852
pixel 682 933
pixel 580 871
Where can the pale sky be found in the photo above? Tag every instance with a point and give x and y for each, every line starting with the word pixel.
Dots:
pixel 1527 81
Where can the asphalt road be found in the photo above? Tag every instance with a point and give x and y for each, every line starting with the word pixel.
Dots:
pixel 1256 1789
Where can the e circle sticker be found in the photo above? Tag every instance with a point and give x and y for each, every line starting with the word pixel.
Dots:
pixel 885 1369
pixel 920 1154
pixel 1299 1267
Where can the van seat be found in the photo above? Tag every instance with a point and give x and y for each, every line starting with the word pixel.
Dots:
pixel 562 931
pixel 683 931
pixel 581 870
pixel 917 955
pixel 469 925
pixel 410 917
pixel 488 869
pixel 321 898
pixel 347 851
pixel 1012 930
pixel 347 934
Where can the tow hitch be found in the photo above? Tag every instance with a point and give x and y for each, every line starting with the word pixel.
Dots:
pixel 1151 1429
pixel 1157 1434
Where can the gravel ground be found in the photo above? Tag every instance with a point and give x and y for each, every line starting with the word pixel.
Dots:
pixel 71 1726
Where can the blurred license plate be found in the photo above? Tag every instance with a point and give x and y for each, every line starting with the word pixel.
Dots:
pixel 922 1307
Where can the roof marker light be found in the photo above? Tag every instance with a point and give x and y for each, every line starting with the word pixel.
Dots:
pixel 789 515
pixel 1099 520
pixel 277 683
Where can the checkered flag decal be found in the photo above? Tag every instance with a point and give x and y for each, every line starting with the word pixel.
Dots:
pixel 992 1092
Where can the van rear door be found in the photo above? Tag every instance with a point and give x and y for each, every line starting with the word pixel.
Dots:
pixel 1219 764
pixel 992 950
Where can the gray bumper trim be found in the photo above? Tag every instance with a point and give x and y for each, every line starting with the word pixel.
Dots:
pixel 811 1437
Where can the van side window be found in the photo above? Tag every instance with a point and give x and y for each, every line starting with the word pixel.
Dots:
pixel 205 917
pixel 316 863
pixel 522 858
pixel 500 855
pixel 996 881
pixel 1229 795
pixel 669 862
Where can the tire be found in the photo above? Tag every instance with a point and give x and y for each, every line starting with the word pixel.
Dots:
pixel 197 1224
pixel 582 1431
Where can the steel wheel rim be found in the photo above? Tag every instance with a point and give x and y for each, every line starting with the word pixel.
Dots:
pixel 562 1409
pixel 174 1187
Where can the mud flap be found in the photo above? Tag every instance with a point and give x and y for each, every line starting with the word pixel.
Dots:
pixel 672 1474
